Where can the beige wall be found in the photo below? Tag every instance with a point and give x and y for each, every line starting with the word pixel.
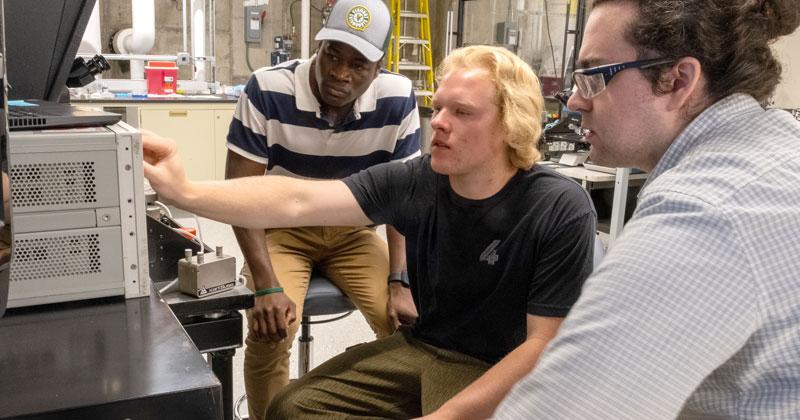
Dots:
pixel 787 50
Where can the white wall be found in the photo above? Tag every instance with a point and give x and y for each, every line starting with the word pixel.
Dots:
pixel 787 49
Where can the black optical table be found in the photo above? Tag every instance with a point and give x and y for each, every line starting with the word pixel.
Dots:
pixel 108 358
pixel 215 326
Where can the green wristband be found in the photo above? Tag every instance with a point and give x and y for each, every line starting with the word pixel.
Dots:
pixel 271 290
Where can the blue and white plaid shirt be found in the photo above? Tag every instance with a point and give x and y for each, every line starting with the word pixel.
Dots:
pixel 695 310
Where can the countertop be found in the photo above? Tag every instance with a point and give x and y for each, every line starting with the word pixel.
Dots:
pixel 192 99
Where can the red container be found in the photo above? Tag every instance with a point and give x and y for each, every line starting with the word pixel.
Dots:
pixel 162 77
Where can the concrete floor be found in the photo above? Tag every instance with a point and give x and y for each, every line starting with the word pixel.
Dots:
pixel 329 339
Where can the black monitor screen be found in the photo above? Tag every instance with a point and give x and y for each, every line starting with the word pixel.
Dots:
pixel 42 37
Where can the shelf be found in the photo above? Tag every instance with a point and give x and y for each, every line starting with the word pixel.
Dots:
pixel 414 15
pixel 414 66
pixel 411 40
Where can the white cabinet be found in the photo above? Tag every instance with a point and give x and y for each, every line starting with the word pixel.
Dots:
pixel 222 120
pixel 200 129
pixel 193 130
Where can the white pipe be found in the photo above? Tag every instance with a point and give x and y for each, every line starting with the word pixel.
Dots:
pixel 90 43
pixel 128 57
pixel 184 12
pixel 212 36
pixel 137 69
pixel 305 28
pixel 143 17
pixel 448 30
pixel 146 57
pixel 141 41
pixel 199 38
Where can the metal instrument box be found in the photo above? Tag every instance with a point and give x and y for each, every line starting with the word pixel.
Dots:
pixel 77 215
pixel 206 274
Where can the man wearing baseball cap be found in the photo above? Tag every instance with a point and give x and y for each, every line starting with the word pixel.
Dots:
pixel 323 118
pixel 363 25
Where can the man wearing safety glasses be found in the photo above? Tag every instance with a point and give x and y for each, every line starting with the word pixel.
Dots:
pixel 695 310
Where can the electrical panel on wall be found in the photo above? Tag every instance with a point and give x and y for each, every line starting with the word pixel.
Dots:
pixel 254 11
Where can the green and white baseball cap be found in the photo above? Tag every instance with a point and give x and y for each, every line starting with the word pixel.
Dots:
pixel 365 25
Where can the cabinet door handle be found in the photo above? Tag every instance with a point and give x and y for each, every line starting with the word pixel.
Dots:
pixel 179 113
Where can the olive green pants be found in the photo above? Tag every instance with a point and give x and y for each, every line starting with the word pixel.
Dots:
pixel 396 377
pixel 356 259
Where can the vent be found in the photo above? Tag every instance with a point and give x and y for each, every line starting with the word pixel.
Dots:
pixel 18 118
pixel 22 122
pixel 70 255
pixel 52 184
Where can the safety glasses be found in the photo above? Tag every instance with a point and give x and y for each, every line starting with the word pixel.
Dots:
pixel 590 82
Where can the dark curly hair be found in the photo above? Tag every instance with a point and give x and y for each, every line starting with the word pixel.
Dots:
pixel 730 38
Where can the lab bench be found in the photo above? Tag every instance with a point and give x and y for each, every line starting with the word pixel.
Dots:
pixel 619 182
pixel 104 358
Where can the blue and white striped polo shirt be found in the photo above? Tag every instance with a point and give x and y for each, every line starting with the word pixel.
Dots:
pixel 278 123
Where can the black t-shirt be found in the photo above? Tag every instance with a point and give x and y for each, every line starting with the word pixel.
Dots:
pixel 477 267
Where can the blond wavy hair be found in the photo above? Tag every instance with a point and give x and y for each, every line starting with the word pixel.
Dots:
pixel 518 96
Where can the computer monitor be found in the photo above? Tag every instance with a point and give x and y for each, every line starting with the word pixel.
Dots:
pixel 39 58
pixel 77 205
pixel 42 37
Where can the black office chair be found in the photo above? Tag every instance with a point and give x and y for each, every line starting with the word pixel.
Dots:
pixel 322 298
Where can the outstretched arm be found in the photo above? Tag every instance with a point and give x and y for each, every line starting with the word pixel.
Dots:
pixel 252 202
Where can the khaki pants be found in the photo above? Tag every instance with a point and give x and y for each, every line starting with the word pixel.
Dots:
pixel 356 259
pixel 396 377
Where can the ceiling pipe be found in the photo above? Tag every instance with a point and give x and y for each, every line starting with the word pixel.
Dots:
pixel 305 28
pixel 199 39
pixel 141 37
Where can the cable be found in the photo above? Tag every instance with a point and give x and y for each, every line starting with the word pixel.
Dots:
pixel 192 237
pixel 169 287
pixel 184 232
pixel 199 236
pixel 291 11
pixel 199 233
pixel 164 207
pixel 247 57
pixel 549 37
